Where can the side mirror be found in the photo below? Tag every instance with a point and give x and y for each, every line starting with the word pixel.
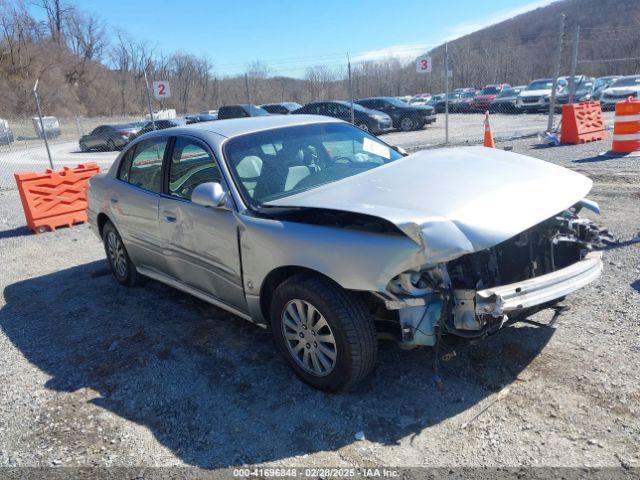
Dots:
pixel 210 194
pixel 401 151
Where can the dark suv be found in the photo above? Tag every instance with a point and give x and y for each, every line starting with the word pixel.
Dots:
pixel 404 116
pixel 240 111
pixel 368 120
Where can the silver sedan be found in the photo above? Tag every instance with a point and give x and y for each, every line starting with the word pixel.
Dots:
pixel 332 239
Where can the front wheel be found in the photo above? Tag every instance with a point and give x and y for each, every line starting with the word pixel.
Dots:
pixel 407 124
pixel 324 333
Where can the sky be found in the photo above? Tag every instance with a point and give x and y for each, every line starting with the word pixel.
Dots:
pixel 291 35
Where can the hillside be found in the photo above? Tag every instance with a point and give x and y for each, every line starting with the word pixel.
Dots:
pixel 524 47
pixel 89 68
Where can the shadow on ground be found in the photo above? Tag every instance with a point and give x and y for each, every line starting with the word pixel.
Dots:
pixel 210 386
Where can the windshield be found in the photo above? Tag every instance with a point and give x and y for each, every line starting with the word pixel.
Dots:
pixel 395 102
pixel 540 85
pixel 489 91
pixel 280 162
pixel 508 92
pixel 356 106
pixel 627 82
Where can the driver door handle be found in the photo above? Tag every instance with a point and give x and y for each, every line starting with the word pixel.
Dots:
pixel 170 218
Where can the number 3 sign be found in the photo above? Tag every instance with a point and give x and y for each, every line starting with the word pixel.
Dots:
pixel 423 64
pixel 161 89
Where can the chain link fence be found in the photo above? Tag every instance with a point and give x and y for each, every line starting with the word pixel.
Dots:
pixel 506 76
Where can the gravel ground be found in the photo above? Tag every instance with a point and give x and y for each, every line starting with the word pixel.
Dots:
pixel 95 374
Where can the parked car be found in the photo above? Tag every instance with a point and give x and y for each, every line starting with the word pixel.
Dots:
pixel 535 97
pixel 404 116
pixel 440 103
pixel 603 83
pixel 505 101
pixel 462 102
pixel 420 99
pixel 434 100
pixel 620 90
pixel 330 237
pixel 240 111
pixel 160 125
pixel 6 135
pixel 201 117
pixel 583 91
pixel 484 97
pixel 283 108
pixel 50 124
pixel 368 120
pixel 108 137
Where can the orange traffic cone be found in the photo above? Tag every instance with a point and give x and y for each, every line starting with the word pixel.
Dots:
pixel 488 136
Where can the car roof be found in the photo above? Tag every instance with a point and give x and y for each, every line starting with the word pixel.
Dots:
pixel 239 126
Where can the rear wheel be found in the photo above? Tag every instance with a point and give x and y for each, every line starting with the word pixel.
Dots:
pixel 324 333
pixel 83 147
pixel 117 256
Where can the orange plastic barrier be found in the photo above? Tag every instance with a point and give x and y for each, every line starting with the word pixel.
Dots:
pixel 488 135
pixel 582 122
pixel 626 129
pixel 55 198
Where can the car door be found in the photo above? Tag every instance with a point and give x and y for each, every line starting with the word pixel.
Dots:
pixel 93 140
pixel 134 202
pixel 200 243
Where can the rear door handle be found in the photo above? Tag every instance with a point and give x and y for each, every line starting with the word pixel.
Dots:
pixel 113 200
pixel 170 218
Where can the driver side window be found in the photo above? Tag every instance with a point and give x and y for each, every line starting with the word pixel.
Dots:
pixel 191 165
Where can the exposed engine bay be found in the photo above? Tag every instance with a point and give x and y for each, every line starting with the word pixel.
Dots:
pixel 473 295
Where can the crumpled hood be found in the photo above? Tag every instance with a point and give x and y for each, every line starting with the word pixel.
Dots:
pixel 453 201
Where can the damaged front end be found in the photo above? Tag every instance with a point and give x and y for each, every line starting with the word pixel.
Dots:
pixel 474 295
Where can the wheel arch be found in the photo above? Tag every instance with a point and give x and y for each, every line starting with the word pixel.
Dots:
pixel 101 221
pixel 277 277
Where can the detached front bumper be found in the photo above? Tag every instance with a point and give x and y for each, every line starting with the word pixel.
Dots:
pixel 540 290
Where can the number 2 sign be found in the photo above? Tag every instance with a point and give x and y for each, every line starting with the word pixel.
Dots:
pixel 423 64
pixel 161 89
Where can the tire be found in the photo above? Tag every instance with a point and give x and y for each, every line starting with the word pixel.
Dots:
pixel 346 323
pixel 83 148
pixel 110 145
pixel 407 124
pixel 363 126
pixel 121 265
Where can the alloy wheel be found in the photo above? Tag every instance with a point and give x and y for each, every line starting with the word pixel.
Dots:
pixel 116 253
pixel 309 338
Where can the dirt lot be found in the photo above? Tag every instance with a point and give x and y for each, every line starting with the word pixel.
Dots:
pixel 95 374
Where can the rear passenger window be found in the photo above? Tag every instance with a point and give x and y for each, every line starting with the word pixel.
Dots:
pixel 191 165
pixel 146 165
